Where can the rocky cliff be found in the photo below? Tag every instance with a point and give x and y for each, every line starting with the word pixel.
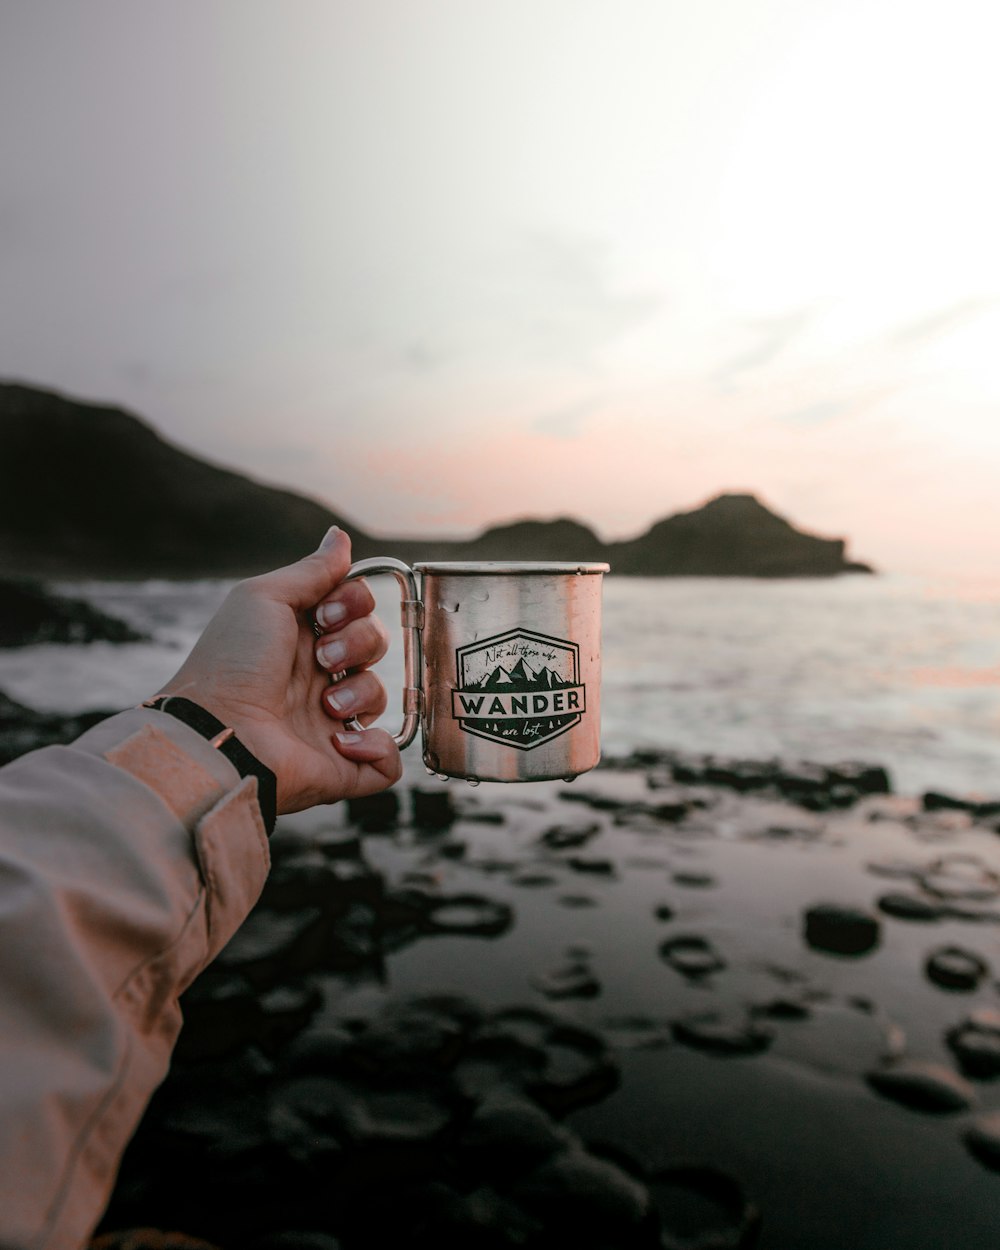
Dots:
pixel 93 491
pixel 87 490
pixel 731 536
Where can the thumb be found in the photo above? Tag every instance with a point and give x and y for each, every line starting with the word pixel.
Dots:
pixel 303 584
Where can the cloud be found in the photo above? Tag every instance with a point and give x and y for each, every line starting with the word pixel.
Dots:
pixel 567 420
pixel 823 412
pixel 556 301
pixel 773 335
pixel 940 323
pixel 816 414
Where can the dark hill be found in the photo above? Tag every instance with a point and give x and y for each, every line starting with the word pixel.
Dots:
pixel 730 536
pixel 561 539
pixel 87 490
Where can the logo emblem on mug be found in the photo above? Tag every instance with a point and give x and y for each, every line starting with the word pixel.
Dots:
pixel 520 688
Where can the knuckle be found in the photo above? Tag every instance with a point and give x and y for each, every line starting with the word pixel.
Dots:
pixel 362 599
pixel 249 588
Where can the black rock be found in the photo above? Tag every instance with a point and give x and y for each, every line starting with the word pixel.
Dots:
pixel 701 1208
pixel 572 979
pixel 599 800
pixel 221 1014
pixel 472 915
pixel 669 812
pixel 563 837
pixel 935 801
pixel 955 969
pixel 285 1011
pixel 578 1069
pixel 693 957
pixel 923 1087
pixel 720 1033
pixel 30 614
pixel 910 907
pixel 533 878
pixel 507 1135
pixel 482 815
pixel 840 930
pixel 585 1197
pixel 592 865
pixel 374 813
pixel 863 778
pixel 982 1139
pixel 961 877
pixel 433 809
pixel 694 880
pixel 975 1043
pixel 271 945
pixel 782 1009
pixel 23 730
pixel 311 879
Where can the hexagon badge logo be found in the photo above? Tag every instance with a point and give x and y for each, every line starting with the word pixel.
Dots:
pixel 519 688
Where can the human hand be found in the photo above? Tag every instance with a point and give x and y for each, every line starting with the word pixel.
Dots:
pixel 259 667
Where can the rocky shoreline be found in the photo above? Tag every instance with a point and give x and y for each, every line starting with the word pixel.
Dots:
pixel 548 1015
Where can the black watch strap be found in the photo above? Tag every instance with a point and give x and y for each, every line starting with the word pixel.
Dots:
pixel 224 739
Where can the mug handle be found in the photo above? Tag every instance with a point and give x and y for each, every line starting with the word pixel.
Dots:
pixel 412 619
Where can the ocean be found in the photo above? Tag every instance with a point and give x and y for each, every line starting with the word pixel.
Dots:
pixel 898 670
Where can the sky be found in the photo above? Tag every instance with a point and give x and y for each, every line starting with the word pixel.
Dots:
pixel 441 263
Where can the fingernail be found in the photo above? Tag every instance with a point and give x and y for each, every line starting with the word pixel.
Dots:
pixel 350 739
pixel 342 698
pixel 329 538
pixel 331 653
pixel 328 614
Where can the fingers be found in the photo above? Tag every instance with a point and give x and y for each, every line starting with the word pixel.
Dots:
pixel 357 645
pixel 349 602
pixel 310 579
pixel 376 756
pixel 361 695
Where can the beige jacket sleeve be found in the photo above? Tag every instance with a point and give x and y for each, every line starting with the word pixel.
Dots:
pixel 127 861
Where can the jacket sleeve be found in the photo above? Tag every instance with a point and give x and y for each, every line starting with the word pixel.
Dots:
pixel 127 861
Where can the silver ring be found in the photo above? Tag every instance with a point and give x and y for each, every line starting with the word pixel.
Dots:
pixel 317 628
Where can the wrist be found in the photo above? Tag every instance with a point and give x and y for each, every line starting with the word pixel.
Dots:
pixel 224 738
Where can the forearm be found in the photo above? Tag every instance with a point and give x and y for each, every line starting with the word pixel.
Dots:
pixel 127 860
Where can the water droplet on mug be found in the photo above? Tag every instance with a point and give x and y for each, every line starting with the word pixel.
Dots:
pixel 449 607
pixel 569 779
pixel 429 771
pixel 480 596
pixel 442 776
pixel 473 781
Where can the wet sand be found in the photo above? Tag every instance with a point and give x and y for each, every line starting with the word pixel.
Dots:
pixel 673 1004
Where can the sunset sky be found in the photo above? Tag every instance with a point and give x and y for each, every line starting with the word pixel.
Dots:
pixel 445 262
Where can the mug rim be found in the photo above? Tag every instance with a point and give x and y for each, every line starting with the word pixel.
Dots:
pixel 491 568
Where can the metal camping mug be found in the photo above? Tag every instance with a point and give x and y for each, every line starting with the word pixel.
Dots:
pixel 502 666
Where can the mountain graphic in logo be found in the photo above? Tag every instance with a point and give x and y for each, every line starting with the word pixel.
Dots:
pixel 520 678
pixel 520 688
